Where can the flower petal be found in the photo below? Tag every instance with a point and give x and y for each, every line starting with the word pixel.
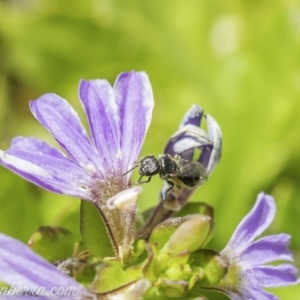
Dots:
pixel 215 135
pixel 247 293
pixel 254 293
pixel 63 122
pixel 193 116
pixel 185 145
pixel 185 140
pixel 134 292
pixel 24 297
pixel 47 167
pixel 268 249
pixel 20 266
pixel 135 102
pixel 274 276
pixel 97 97
pixel 253 224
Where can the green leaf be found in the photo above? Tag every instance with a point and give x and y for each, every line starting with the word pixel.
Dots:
pixel 52 243
pixel 3 285
pixel 93 231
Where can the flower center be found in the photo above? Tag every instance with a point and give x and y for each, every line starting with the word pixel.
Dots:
pixel 105 189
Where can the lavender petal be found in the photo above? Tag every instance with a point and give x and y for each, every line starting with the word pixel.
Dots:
pixel 249 293
pixel 135 103
pixel 45 166
pixel 189 136
pixel 24 297
pixel 20 266
pixel 97 97
pixel 253 224
pixel 254 293
pixel 185 140
pixel 62 121
pixel 275 276
pixel 268 249
pixel 215 135
pixel 193 116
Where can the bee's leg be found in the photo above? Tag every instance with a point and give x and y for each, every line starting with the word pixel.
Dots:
pixel 146 181
pixel 136 183
pixel 171 186
pixel 140 181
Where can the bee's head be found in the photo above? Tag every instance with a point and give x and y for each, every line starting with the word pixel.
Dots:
pixel 149 166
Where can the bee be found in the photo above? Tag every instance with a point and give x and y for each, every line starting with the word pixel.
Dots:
pixel 176 171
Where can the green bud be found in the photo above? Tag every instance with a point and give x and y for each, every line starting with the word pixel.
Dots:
pixel 214 266
pixel 198 274
pixel 162 232
pixel 161 263
pixel 203 209
pixel 173 288
pixel 178 271
pixel 197 208
pixel 189 236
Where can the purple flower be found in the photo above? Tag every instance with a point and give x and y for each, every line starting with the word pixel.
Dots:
pixel 92 168
pixel 30 277
pixel 247 275
pixel 118 118
pixel 28 274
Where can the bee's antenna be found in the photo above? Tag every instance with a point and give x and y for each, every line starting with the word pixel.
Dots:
pixel 130 169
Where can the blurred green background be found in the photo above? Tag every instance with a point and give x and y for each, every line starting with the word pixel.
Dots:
pixel 240 60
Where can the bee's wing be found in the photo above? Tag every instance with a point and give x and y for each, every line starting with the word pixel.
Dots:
pixel 190 169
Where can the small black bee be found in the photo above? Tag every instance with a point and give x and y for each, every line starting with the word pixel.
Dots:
pixel 176 171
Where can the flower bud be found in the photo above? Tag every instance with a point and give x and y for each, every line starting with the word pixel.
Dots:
pixel 190 235
pixel 214 266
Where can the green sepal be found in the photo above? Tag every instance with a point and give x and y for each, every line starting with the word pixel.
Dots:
pixel 93 231
pixel 150 266
pixel 111 277
pixel 214 266
pixel 52 243
pixel 139 253
pixel 189 236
